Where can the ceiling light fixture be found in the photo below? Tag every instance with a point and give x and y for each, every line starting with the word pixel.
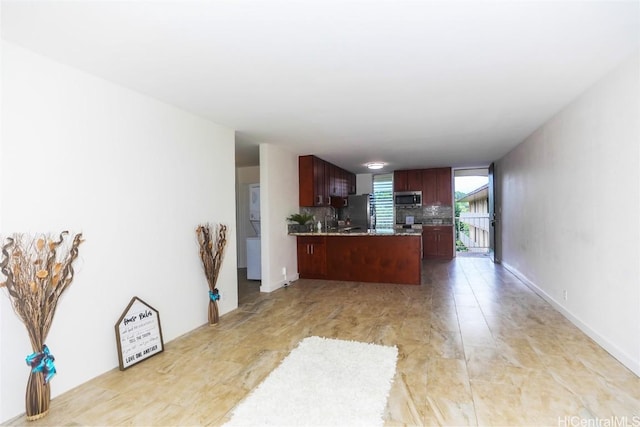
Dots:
pixel 375 165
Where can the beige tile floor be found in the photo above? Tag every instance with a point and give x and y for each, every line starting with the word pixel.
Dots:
pixel 476 347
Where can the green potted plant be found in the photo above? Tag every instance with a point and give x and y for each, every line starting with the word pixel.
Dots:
pixel 301 221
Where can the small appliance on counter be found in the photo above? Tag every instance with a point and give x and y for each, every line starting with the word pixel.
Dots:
pixel 408 222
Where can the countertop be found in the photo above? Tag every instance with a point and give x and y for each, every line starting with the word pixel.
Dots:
pixel 370 232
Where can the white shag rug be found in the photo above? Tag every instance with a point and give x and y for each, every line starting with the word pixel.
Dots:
pixel 323 382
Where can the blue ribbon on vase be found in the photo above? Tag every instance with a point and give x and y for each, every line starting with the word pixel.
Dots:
pixel 214 295
pixel 42 362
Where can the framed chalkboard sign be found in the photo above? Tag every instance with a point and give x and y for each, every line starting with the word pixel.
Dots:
pixel 138 333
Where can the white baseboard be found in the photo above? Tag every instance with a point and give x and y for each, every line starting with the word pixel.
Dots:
pixel 281 283
pixel 621 356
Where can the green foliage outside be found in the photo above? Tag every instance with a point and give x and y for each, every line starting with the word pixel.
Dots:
pixel 460 227
pixel 459 208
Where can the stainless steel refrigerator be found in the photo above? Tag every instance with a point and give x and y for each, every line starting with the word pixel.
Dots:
pixel 361 211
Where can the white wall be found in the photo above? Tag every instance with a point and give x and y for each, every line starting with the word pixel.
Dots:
pixel 136 176
pixel 364 183
pixel 244 176
pixel 570 200
pixel 279 198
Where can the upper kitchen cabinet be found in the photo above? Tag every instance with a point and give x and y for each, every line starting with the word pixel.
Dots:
pixel 311 181
pixel 437 187
pixel 335 181
pixel 320 181
pixel 407 180
pixel 341 186
pixel 351 180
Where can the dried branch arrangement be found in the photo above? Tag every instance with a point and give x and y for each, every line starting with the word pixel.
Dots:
pixel 38 269
pixel 211 254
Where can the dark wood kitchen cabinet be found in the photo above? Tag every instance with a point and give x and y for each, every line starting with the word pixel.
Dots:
pixel 321 181
pixel 342 182
pixel 351 178
pixel 360 258
pixel 400 180
pixel 312 257
pixel 312 181
pixel 379 259
pixel 407 180
pixel 321 176
pixel 437 242
pixel 337 181
pixel 436 187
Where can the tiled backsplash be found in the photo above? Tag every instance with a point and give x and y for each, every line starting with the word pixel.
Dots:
pixel 426 215
pixel 403 213
pixel 323 213
pixel 437 211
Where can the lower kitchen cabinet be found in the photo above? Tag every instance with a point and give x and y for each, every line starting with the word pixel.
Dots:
pixel 378 259
pixel 312 257
pixel 437 242
pixel 360 258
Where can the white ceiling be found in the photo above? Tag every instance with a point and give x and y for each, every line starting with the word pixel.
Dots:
pixel 411 83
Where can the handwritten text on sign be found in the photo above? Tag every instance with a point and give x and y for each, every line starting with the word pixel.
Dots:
pixel 139 333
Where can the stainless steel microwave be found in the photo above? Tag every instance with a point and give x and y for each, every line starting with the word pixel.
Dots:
pixel 407 199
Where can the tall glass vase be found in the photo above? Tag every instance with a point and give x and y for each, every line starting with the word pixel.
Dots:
pixel 38 396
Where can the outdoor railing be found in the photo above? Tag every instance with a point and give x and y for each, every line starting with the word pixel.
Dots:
pixel 477 220
pixel 472 232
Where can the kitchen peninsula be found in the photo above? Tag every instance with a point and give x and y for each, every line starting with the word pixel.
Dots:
pixel 381 256
pixel 365 253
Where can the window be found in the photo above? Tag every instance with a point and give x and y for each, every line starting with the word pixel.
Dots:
pixel 383 200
